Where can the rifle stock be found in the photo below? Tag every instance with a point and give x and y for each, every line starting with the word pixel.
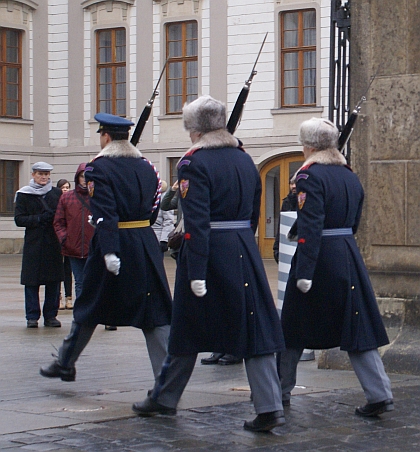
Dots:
pixel 144 117
pixel 349 126
pixel 236 114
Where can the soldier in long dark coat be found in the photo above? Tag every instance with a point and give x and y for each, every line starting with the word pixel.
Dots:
pixel 329 301
pixel 42 264
pixel 222 299
pixel 124 280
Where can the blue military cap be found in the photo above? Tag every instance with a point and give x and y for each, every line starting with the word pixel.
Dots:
pixel 112 123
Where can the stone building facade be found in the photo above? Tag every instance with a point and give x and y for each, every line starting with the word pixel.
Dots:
pixel 61 43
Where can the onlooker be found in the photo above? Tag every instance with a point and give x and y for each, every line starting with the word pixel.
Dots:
pixel 171 201
pixel 71 224
pixel 329 301
pixel 289 204
pixel 42 263
pixel 164 224
pixel 124 281
pixel 67 302
pixel 222 299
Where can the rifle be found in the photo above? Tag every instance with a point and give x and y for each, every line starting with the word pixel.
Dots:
pixel 240 101
pixel 146 111
pixel 349 126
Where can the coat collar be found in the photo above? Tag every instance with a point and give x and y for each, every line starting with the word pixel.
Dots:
pixel 220 138
pixel 119 148
pixel 326 157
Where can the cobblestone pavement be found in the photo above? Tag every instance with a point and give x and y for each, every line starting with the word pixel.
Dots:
pixel 94 412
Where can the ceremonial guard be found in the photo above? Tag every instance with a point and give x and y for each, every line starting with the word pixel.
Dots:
pixel 222 301
pixel 329 301
pixel 124 278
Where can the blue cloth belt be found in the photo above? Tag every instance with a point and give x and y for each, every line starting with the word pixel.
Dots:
pixel 240 224
pixel 337 231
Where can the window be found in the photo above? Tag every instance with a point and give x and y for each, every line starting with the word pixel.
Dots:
pixel 9 184
pixel 110 76
pixel 10 73
pixel 182 69
pixel 173 170
pixel 298 58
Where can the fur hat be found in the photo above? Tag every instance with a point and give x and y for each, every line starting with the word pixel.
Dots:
pixel 204 115
pixel 318 133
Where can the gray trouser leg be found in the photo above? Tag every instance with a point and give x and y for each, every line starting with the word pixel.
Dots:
pixel 157 346
pixel 74 344
pixel 287 362
pixel 174 376
pixel 370 371
pixel 264 382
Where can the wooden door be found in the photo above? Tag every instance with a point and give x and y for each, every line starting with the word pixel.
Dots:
pixel 275 177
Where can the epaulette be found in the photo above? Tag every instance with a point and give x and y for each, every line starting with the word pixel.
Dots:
pixel 303 168
pixel 191 152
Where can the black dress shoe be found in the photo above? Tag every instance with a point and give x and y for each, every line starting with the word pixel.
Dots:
pixel 374 409
pixel 229 359
pixel 32 323
pixel 54 370
pixel 110 328
pixel 149 408
pixel 212 359
pixel 264 422
pixel 54 323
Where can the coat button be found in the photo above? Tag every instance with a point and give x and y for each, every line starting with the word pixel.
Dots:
pixel 240 256
pixel 148 294
pixel 352 287
pixel 246 284
pixel 251 313
pixel 357 313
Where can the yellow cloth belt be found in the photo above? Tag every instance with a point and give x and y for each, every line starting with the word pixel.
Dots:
pixel 133 224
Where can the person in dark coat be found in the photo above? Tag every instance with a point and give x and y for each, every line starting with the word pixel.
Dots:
pixel 289 204
pixel 71 224
pixel 42 263
pixel 67 302
pixel 124 281
pixel 222 299
pixel 329 301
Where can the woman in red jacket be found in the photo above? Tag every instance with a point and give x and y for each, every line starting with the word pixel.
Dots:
pixel 72 227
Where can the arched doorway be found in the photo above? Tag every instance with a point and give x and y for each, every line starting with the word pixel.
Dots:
pixel 275 177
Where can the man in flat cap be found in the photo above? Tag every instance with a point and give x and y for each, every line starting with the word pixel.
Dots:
pixel 124 280
pixel 36 204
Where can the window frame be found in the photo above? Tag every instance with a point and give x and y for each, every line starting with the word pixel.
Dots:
pixel 4 195
pixel 4 65
pixel 184 59
pixel 300 49
pixel 113 65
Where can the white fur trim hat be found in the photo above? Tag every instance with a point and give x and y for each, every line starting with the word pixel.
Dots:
pixel 204 115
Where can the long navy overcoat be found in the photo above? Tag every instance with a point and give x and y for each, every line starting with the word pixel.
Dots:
pixel 122 186
pixel 238 314
pixel 340 309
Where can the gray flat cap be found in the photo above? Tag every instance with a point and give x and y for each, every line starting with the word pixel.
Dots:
pixel 42 166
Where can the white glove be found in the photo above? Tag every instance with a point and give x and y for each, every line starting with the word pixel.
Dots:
pixel 90 221
pixel 112 263
pixel 198 286
pixel 304 285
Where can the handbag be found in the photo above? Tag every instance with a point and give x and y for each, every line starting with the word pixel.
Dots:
pixel 176 236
